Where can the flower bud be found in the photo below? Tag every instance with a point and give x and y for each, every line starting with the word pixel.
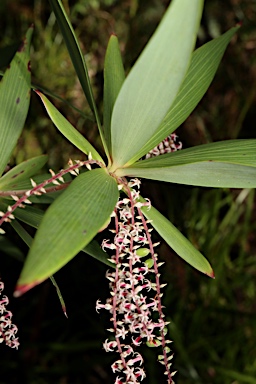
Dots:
pixel 142 252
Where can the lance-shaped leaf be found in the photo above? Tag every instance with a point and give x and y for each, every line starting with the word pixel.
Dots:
pixel 77 59
pixel 33 217
pixel 227 164
pixel 113 79
pixel 14 100
pixel 204 64
pixel 46 91
pixel 154 81
pixel 68 130
pixel 21 172
pixel 179 243
pixel 69 224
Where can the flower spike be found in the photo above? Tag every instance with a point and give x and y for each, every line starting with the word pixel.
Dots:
pixel 134 298
pixel 8 330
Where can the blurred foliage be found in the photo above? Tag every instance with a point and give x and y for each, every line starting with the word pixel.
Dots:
pixel 213 321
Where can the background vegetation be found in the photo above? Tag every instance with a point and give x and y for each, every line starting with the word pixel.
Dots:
pixel 212 321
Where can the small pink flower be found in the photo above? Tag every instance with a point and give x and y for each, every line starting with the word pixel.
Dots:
pixel 109 346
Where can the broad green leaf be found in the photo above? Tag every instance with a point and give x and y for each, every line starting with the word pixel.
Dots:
pixel 154 81
pixel 203 66
pixel 77 58
pixel 237 151
pixel 68 225
pixel 14 100
pixel 33 217
pixel 12 179
pixel 68 130
pixel 179 243
pixel 113 79
pixel 227 164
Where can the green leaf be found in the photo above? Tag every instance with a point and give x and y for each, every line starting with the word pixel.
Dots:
pixel 154 81
pixel 68 130
pixel 179 243
pixel 68 225
pixel 14 100
pixel 77 59
pixel 203 66
pixel 21 172
pixel 33 217
pixel 113 79
pixel 46 91
pixel 226 164
pixel 74 50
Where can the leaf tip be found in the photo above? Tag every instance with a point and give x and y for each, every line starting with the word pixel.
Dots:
pixel 211 274
pixel 23 288
pixel 64 311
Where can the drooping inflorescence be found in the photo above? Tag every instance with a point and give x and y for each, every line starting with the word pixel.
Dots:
pixel 170 144
pixel 136 298
pixel 8 330
pixel 22 197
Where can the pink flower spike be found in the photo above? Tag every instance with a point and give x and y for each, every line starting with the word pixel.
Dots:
pixel 8 330
pixel 133 295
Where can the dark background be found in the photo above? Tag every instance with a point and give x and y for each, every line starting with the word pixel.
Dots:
pixel 212 321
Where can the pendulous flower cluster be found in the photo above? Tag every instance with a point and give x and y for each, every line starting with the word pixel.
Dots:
pixel 8 330
pixel 22 197
pixel 135 303
pixel 169 144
